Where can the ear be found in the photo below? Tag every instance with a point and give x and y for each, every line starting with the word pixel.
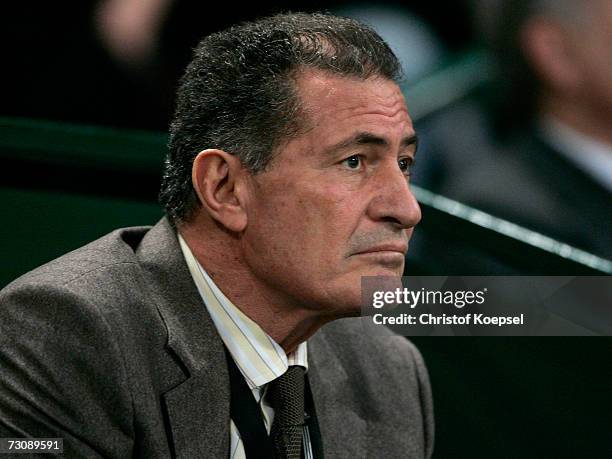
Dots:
pixel 218 180
pixel 548 48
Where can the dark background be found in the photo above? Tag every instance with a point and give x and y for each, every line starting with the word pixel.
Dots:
pixel 59 69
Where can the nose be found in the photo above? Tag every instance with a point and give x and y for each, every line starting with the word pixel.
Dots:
pixel 393 200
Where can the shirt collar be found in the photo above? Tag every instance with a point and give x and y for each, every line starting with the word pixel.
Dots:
pixel 257 355
pixel 593 157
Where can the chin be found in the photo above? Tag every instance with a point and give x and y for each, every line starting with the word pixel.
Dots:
pixel 378 266
pixel 383 271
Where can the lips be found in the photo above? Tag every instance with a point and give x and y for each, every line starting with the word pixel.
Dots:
pixel 400 248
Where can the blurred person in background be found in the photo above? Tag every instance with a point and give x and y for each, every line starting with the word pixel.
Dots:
pixel 540 153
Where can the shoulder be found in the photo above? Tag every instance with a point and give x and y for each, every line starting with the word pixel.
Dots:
pixel 370 346
pixel 70 332
pixel 103 272
pixel 92 299
pixel 74 303
pixel 72 294
pixel 112 250
pixel 377 357
pixel 388 382
pixel 55 339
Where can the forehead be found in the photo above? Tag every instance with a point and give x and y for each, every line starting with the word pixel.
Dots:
pixel 331 101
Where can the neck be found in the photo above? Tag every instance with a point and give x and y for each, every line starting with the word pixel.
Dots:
pixel 288 323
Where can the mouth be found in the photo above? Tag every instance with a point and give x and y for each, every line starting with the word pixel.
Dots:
pixel 391 249
pixel 390 255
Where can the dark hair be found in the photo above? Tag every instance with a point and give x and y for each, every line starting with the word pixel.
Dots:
pixel 238 93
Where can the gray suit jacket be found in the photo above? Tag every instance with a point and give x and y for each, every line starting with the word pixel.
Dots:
pixel 111 348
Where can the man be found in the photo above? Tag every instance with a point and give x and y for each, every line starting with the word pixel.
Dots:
pixel 286 182
pixel 552 111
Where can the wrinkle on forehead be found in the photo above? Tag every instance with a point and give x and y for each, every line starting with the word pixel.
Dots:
pixel 323 91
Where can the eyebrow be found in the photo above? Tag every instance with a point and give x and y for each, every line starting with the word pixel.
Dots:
pixel 367 138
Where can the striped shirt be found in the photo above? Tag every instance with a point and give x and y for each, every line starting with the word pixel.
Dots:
pixel 258 357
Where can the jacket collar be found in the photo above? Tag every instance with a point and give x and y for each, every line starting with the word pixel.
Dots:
pixel 198 408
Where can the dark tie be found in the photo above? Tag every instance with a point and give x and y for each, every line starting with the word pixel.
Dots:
pixel 287 399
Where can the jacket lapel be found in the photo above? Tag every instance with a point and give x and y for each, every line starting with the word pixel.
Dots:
pixel 197 409
pixel 199 418
pixel 343 430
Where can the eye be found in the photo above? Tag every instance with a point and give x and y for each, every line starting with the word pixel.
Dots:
pixel 405 165
pixel 353 162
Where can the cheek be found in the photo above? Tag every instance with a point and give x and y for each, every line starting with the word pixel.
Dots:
pixel 301 221
pixel 328 215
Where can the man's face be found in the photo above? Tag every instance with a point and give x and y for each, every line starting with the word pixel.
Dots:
pixel 335 203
